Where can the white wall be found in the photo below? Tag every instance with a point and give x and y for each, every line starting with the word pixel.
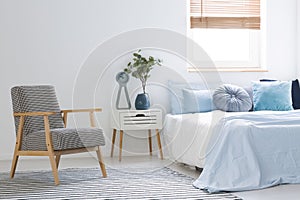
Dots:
pixel 48 42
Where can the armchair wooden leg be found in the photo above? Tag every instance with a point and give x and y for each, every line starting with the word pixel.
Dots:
pixel 57 159
pixel 50 150
pixel 54 168
pixel 17 147
pixel 102 165
pixel 14 165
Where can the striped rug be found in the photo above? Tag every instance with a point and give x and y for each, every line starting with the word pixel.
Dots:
pixel 84 183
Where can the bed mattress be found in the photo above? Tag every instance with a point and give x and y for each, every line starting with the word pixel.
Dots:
pixel 187 135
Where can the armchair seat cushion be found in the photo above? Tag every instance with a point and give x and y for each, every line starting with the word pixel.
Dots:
pixel 64 138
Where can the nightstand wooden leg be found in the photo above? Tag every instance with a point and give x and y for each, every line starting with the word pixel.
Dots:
pixel 113 142
pixel 150 142
pixel 159 144
pixel 121 143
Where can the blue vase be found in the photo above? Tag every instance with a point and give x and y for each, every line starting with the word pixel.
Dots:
pixel 142 102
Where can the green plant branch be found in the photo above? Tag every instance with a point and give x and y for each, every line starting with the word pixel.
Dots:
pixel 141 67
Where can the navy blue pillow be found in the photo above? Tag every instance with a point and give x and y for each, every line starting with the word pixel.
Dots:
pixel 267 80
pixel 296 94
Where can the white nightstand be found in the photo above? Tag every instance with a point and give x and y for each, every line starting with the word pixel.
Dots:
pixel 124 120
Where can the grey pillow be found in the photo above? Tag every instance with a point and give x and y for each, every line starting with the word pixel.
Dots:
pixel 250 92
pixel 232 98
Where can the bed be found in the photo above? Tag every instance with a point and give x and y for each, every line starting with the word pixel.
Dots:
pixel 237 150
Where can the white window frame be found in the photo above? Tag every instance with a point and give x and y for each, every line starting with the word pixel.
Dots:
pixel 257 47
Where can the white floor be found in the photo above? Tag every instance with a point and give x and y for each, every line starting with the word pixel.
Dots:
pixel 288 192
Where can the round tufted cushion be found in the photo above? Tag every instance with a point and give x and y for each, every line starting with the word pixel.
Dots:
pixel 232 98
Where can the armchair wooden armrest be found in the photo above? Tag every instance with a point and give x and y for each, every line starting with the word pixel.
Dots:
pixel 35 114
pixel 82 110
pixel 89 110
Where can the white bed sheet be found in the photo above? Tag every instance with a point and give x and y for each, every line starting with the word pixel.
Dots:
pixel 187 135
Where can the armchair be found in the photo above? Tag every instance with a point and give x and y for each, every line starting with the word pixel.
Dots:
pixel 41 128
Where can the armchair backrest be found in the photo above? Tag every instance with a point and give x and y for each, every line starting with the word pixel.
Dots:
pixel 38 98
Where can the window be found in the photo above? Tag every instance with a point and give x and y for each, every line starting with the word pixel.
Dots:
pixel 229 32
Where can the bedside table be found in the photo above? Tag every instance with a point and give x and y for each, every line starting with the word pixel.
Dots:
pixel 137 120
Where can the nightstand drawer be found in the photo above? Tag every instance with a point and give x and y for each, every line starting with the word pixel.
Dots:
pixel 141 120
pixel 137 119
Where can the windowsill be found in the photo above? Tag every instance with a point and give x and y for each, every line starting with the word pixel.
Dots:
pixel 235 69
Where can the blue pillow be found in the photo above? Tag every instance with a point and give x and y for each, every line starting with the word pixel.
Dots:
pixel 295 92
pixel 232 98
pixel 274 96
pixel 176 96
pixel 195 101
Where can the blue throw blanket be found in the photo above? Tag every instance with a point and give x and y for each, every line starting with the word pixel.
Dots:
pixel 253 150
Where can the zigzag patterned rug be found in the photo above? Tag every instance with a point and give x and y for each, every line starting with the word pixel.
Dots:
pixel 88 184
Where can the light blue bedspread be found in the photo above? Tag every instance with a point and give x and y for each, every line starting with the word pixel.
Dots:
pixel 253 150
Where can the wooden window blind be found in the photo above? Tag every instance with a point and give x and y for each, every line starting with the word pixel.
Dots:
pixel 225 14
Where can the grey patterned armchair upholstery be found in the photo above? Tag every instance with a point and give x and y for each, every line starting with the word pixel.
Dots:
pixel 41 128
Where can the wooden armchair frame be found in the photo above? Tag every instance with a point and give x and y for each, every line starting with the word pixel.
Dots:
pixel 54 155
